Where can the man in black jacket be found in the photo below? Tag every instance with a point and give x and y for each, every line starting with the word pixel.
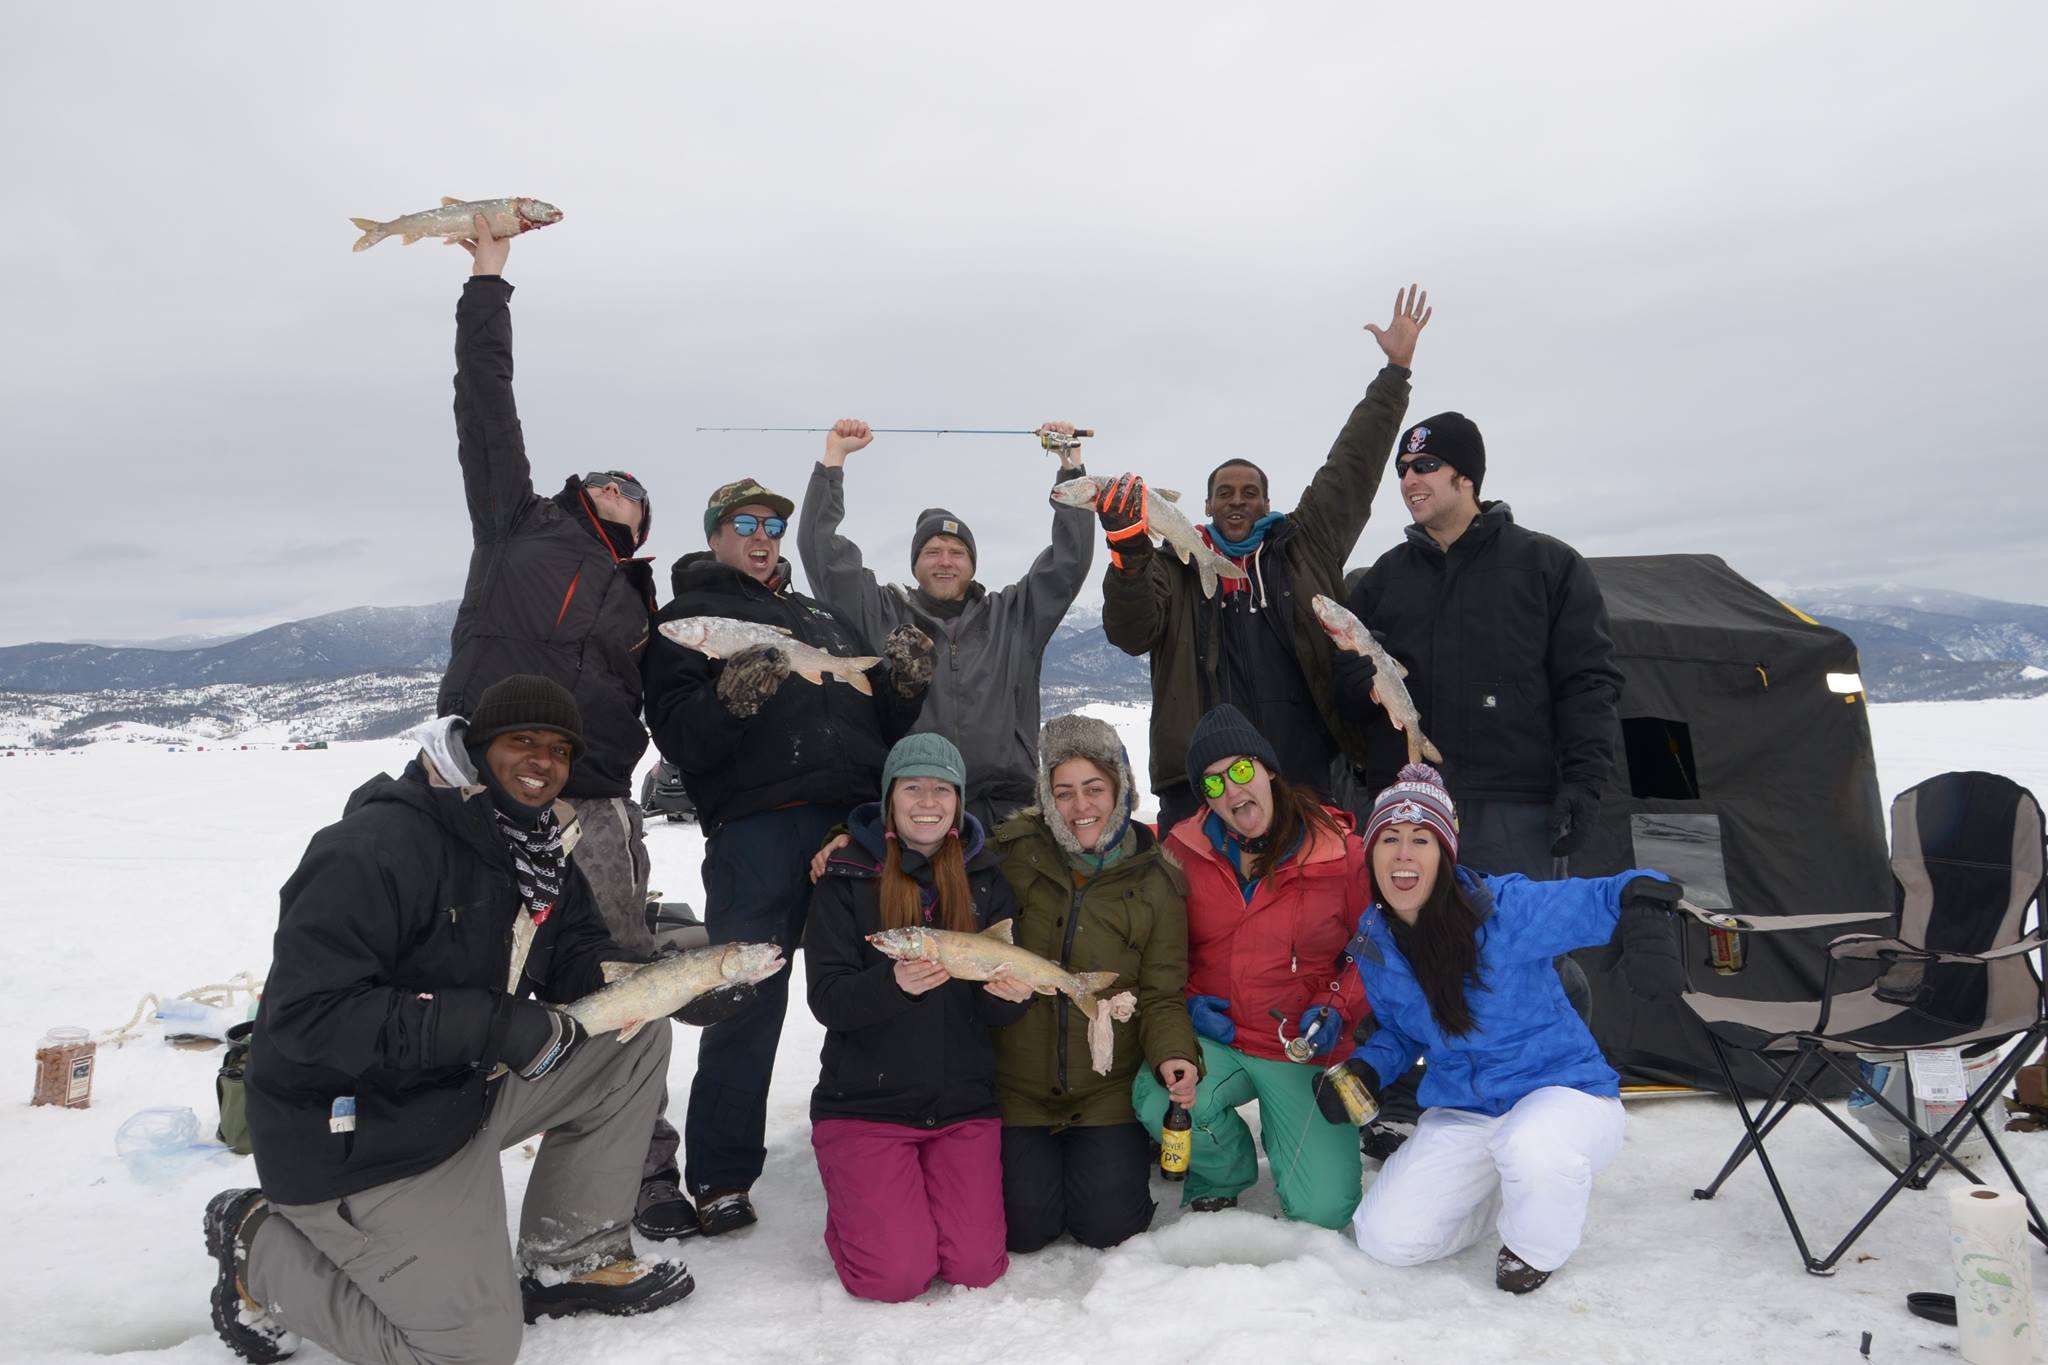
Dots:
pixel 409 1033
pixel 554 589
pixel 772 763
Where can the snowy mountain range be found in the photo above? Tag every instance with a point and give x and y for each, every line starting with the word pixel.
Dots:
pixel 370 672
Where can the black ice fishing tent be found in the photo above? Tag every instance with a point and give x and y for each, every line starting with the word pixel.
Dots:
pixel 1744 768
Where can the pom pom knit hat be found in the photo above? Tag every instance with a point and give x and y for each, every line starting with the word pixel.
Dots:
pixel 1416 798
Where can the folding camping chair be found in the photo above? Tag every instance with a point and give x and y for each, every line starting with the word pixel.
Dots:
pixel 1968 856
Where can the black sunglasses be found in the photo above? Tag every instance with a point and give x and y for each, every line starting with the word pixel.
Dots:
pixel 1421 464
pixel 628 485
pixel 746 523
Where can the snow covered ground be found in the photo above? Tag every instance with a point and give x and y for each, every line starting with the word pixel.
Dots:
pixel 143 870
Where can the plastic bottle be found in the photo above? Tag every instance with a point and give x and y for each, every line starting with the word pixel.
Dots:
pixel 1358 1105
pixel 160 1145
pixel 1176 1142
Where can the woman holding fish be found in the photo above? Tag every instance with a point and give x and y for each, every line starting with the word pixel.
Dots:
pixel 1521 1111
pixel 1275 886
pixel 1095 896
pixel 904 1117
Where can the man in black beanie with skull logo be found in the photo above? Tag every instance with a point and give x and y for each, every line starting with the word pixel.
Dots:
pixel 1504 635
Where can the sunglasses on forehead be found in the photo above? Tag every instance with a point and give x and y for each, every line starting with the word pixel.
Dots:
pixel 628 485
pixel 1421 464
pixel 746 523
pixel 1239 772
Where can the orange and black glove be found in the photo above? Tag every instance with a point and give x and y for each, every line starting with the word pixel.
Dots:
pixel 1121 507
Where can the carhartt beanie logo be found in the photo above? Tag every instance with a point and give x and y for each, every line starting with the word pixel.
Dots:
pixel 937 521
pixel 525 701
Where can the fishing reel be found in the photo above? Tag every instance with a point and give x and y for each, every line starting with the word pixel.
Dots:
pixel 1057 444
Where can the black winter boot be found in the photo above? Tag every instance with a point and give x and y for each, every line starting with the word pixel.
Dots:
pixel 1212 1203
pixel 720 1212
pixel 1515 1275
pixel 620 1287
pixel 665 1213
pixel 232 1217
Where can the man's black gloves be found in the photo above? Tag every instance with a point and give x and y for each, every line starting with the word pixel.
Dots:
pixel 909 654
pixel 1332 1104
pixel 531 1039
pixel 1650 964
pixel 1572 817
pixel 1121 508
pixel 750 678
pixel 715 1007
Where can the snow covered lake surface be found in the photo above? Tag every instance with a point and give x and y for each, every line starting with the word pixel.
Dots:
pixel 140 870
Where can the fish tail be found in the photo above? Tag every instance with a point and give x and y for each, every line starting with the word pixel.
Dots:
pixel 854 673
pixel 373 233
pixel 1090 984
pixel 1429 751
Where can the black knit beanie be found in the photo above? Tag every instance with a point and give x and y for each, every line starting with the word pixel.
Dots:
pixel 1453 438
pixel 937 521
pixel 1225 733
pixel 525 701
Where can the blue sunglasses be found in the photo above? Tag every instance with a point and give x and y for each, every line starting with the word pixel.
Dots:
pixel 746 523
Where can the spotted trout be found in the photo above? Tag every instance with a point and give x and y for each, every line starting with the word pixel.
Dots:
pixel 661 988
pixel 980 957
pixel 721 637
pixel 1350 633
pixel 455 219
pixel 1164 521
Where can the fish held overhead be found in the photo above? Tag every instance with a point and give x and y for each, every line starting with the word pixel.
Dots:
pixel 1164 522
pixel 721 637
pixel 455 219
pixel 1351 633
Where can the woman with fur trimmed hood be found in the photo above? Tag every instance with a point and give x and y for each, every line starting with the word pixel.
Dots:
pixel 1095 894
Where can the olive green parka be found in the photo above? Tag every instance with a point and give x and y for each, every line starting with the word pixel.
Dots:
pixel 1129 920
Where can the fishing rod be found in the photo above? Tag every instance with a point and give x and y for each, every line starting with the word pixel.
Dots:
pixel 1051 440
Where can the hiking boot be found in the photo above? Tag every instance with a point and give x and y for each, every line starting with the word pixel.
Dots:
pixel 1515 1275
pixel 720 1212
pixel 664 1213
pixel 1383 1139
pixel 621 1287
pixel 1212 1203
pixel 232 1217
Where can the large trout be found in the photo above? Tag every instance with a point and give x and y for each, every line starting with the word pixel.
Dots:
pixel 721 637
pixel 455 219
pixel 1164 521
pixel 661 988
pixel 980 957
pixel 1350 633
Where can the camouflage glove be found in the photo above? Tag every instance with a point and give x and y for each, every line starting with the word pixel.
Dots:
pixel 908 653
pixel 750 679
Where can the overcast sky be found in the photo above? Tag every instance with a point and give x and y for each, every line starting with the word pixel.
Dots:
pixel 1758 280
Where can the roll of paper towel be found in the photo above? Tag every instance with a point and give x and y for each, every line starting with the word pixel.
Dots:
pixel 1987 1236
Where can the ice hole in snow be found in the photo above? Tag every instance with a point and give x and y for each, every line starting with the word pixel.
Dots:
pixel 1232 1238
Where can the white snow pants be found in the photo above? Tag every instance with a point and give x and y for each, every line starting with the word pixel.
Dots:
pixel 1534 1166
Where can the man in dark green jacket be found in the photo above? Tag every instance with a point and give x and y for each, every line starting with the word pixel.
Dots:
pixel 1257 643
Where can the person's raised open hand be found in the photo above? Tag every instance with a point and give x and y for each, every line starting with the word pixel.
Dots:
pixel 1397 338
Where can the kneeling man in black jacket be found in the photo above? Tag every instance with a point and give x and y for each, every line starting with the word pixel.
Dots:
pixel 409 1032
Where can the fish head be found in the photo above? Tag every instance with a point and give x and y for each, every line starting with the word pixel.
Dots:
pixel 691 632
pixel 750 962
pixel 1329 613
pixel 1080 492
pixel 535 213
pixel 905 945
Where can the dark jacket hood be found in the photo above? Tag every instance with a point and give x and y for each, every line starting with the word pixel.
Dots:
pixel 702 571
pixel 945 611
pixel 870 847
pixel 1492 516
pixel 615 536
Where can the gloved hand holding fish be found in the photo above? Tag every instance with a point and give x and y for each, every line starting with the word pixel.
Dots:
pixel 721 637
pixel 1350 633
pixel 1162 521
pixel 661 988
pixel 993 952
pixel 456 219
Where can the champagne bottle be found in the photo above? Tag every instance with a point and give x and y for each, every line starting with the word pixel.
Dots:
pixel 1176 1142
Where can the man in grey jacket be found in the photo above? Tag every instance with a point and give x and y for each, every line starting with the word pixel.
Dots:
pixel 984 690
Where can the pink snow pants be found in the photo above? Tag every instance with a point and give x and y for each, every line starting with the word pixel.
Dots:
pixel 905 1204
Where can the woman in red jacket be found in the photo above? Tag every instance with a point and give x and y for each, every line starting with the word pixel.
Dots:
pixel 1275 886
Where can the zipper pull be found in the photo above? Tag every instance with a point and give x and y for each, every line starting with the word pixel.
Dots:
pixel 1293 962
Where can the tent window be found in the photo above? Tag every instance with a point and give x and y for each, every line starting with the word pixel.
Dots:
pixel 1660 765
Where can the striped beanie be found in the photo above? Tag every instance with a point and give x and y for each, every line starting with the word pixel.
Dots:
pixel 1416 798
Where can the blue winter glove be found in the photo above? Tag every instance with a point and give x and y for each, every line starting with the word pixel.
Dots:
pixel 1210 1015
pixel 1322 1026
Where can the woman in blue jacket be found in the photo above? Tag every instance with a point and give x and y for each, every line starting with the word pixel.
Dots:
pixel 1520 1109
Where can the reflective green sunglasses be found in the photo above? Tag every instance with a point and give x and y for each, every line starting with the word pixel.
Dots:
pixel 1239 772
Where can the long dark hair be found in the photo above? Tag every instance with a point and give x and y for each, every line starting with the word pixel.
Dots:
pixel 1297 818
pixel 1442 947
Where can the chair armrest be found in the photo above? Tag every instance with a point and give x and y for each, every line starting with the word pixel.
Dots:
pixel 1777 924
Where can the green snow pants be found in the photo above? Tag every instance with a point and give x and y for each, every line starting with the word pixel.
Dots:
pixel 1316 1164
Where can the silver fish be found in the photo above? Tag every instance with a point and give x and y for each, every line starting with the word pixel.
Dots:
pixel 721 637
pixel 661 988
pixel 455 219
pixel 1350 633
pixel 979 957
pixel 1167 522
